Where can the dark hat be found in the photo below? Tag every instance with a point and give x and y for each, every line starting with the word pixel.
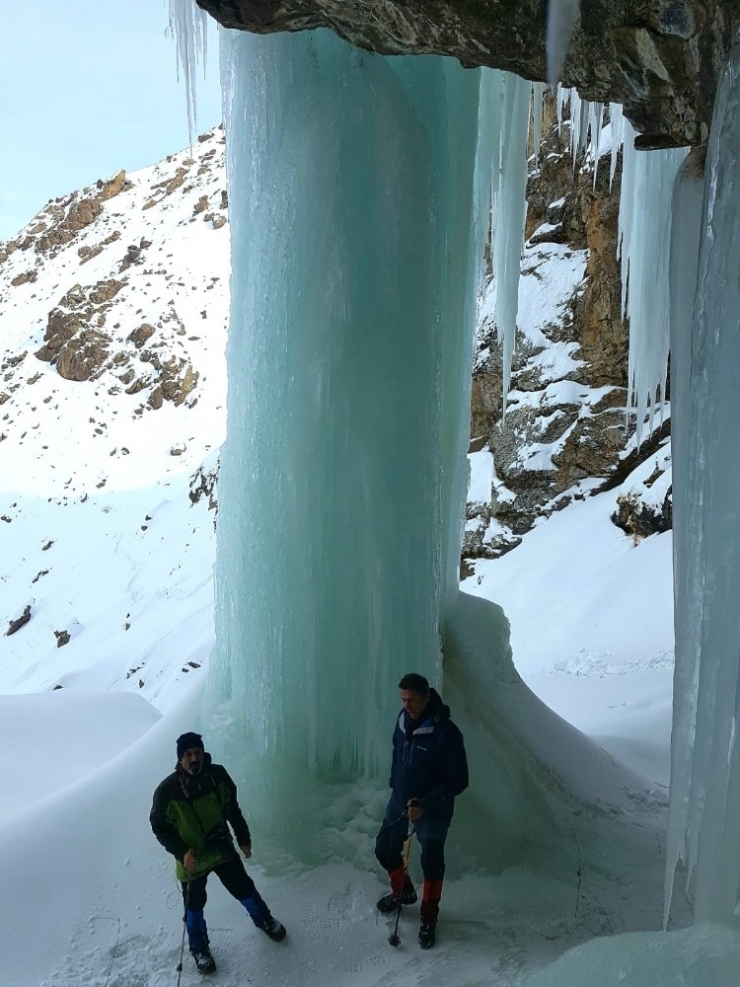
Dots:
pixel 187 740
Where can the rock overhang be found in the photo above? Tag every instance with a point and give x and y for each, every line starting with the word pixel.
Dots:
pixel 661 59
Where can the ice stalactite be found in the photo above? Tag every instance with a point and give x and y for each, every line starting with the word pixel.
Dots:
pixel 538 96
pixel 644 231
pixel 188 27
pixel 705 782
pixel 356 250
pixel 616 122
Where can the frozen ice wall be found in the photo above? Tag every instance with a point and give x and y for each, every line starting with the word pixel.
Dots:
pixel 355 262
pixel 705 796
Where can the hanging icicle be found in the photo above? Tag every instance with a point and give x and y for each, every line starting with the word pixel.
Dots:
pixel 644 230
pixel 188 27
pixel 507 101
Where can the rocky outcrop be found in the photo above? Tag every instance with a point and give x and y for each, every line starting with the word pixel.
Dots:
pixel 73 340
pixel 15 625
pixel 661 59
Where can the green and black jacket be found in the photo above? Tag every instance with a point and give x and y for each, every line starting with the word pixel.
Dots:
pixel 187 811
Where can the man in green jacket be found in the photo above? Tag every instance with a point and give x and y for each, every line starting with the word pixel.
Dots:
pixel 191 813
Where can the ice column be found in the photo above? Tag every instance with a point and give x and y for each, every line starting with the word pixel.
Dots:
pixel 355 264
pixel 705 795
pixel 688 196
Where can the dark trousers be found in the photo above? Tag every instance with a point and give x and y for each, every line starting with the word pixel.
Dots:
pixel 231 874
pixel 431 834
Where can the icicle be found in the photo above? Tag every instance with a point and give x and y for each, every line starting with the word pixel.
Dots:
pixel 561 19
pixel 538 91
pixel 507 98
pixel 563 100
pixel 616 119
pixel 576 124
pixel 595 125
pixel 188 26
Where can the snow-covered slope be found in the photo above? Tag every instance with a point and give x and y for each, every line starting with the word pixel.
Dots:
pixel 113 313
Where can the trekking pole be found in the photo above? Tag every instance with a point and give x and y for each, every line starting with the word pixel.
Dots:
pixel 184 926
pixel 394 939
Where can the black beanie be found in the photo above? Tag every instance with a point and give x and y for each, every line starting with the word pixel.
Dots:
pixel 186 741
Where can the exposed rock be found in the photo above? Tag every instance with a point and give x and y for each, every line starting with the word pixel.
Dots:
pixel 25 278
pixel 61 326
pixel 104 291
pixel 203 483
pixel 82 213
pixel 638 519
pixel 114 186
pixel 87 253
pixel 156 398
pixel 83 356
pixel 178 379
pixel 659 58
pixel 176 182
pixel 141 334
pixel 62 638
pixel 15 625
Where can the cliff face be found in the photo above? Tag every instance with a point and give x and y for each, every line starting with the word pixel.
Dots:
pixel 565 434
pixel 659 58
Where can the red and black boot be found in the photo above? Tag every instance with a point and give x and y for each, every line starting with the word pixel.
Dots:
pixel 428 913
pixel 402 890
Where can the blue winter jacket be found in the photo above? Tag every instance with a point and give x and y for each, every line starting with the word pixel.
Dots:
pixel 429 760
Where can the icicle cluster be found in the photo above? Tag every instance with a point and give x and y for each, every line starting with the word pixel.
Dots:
pixel 645 213
pixel 505 108
pixel 188 26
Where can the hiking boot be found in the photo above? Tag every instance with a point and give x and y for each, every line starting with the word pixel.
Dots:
pixel 427 935
pixel 389 902
pixel 204 962
pixel 274 929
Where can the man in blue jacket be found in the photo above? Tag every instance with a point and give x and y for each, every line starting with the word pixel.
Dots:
pixel 429 769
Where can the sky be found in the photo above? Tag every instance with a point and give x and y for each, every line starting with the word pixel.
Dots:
pixel 86 89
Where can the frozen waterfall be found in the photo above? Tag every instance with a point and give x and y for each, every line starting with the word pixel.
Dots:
pixel 356 248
